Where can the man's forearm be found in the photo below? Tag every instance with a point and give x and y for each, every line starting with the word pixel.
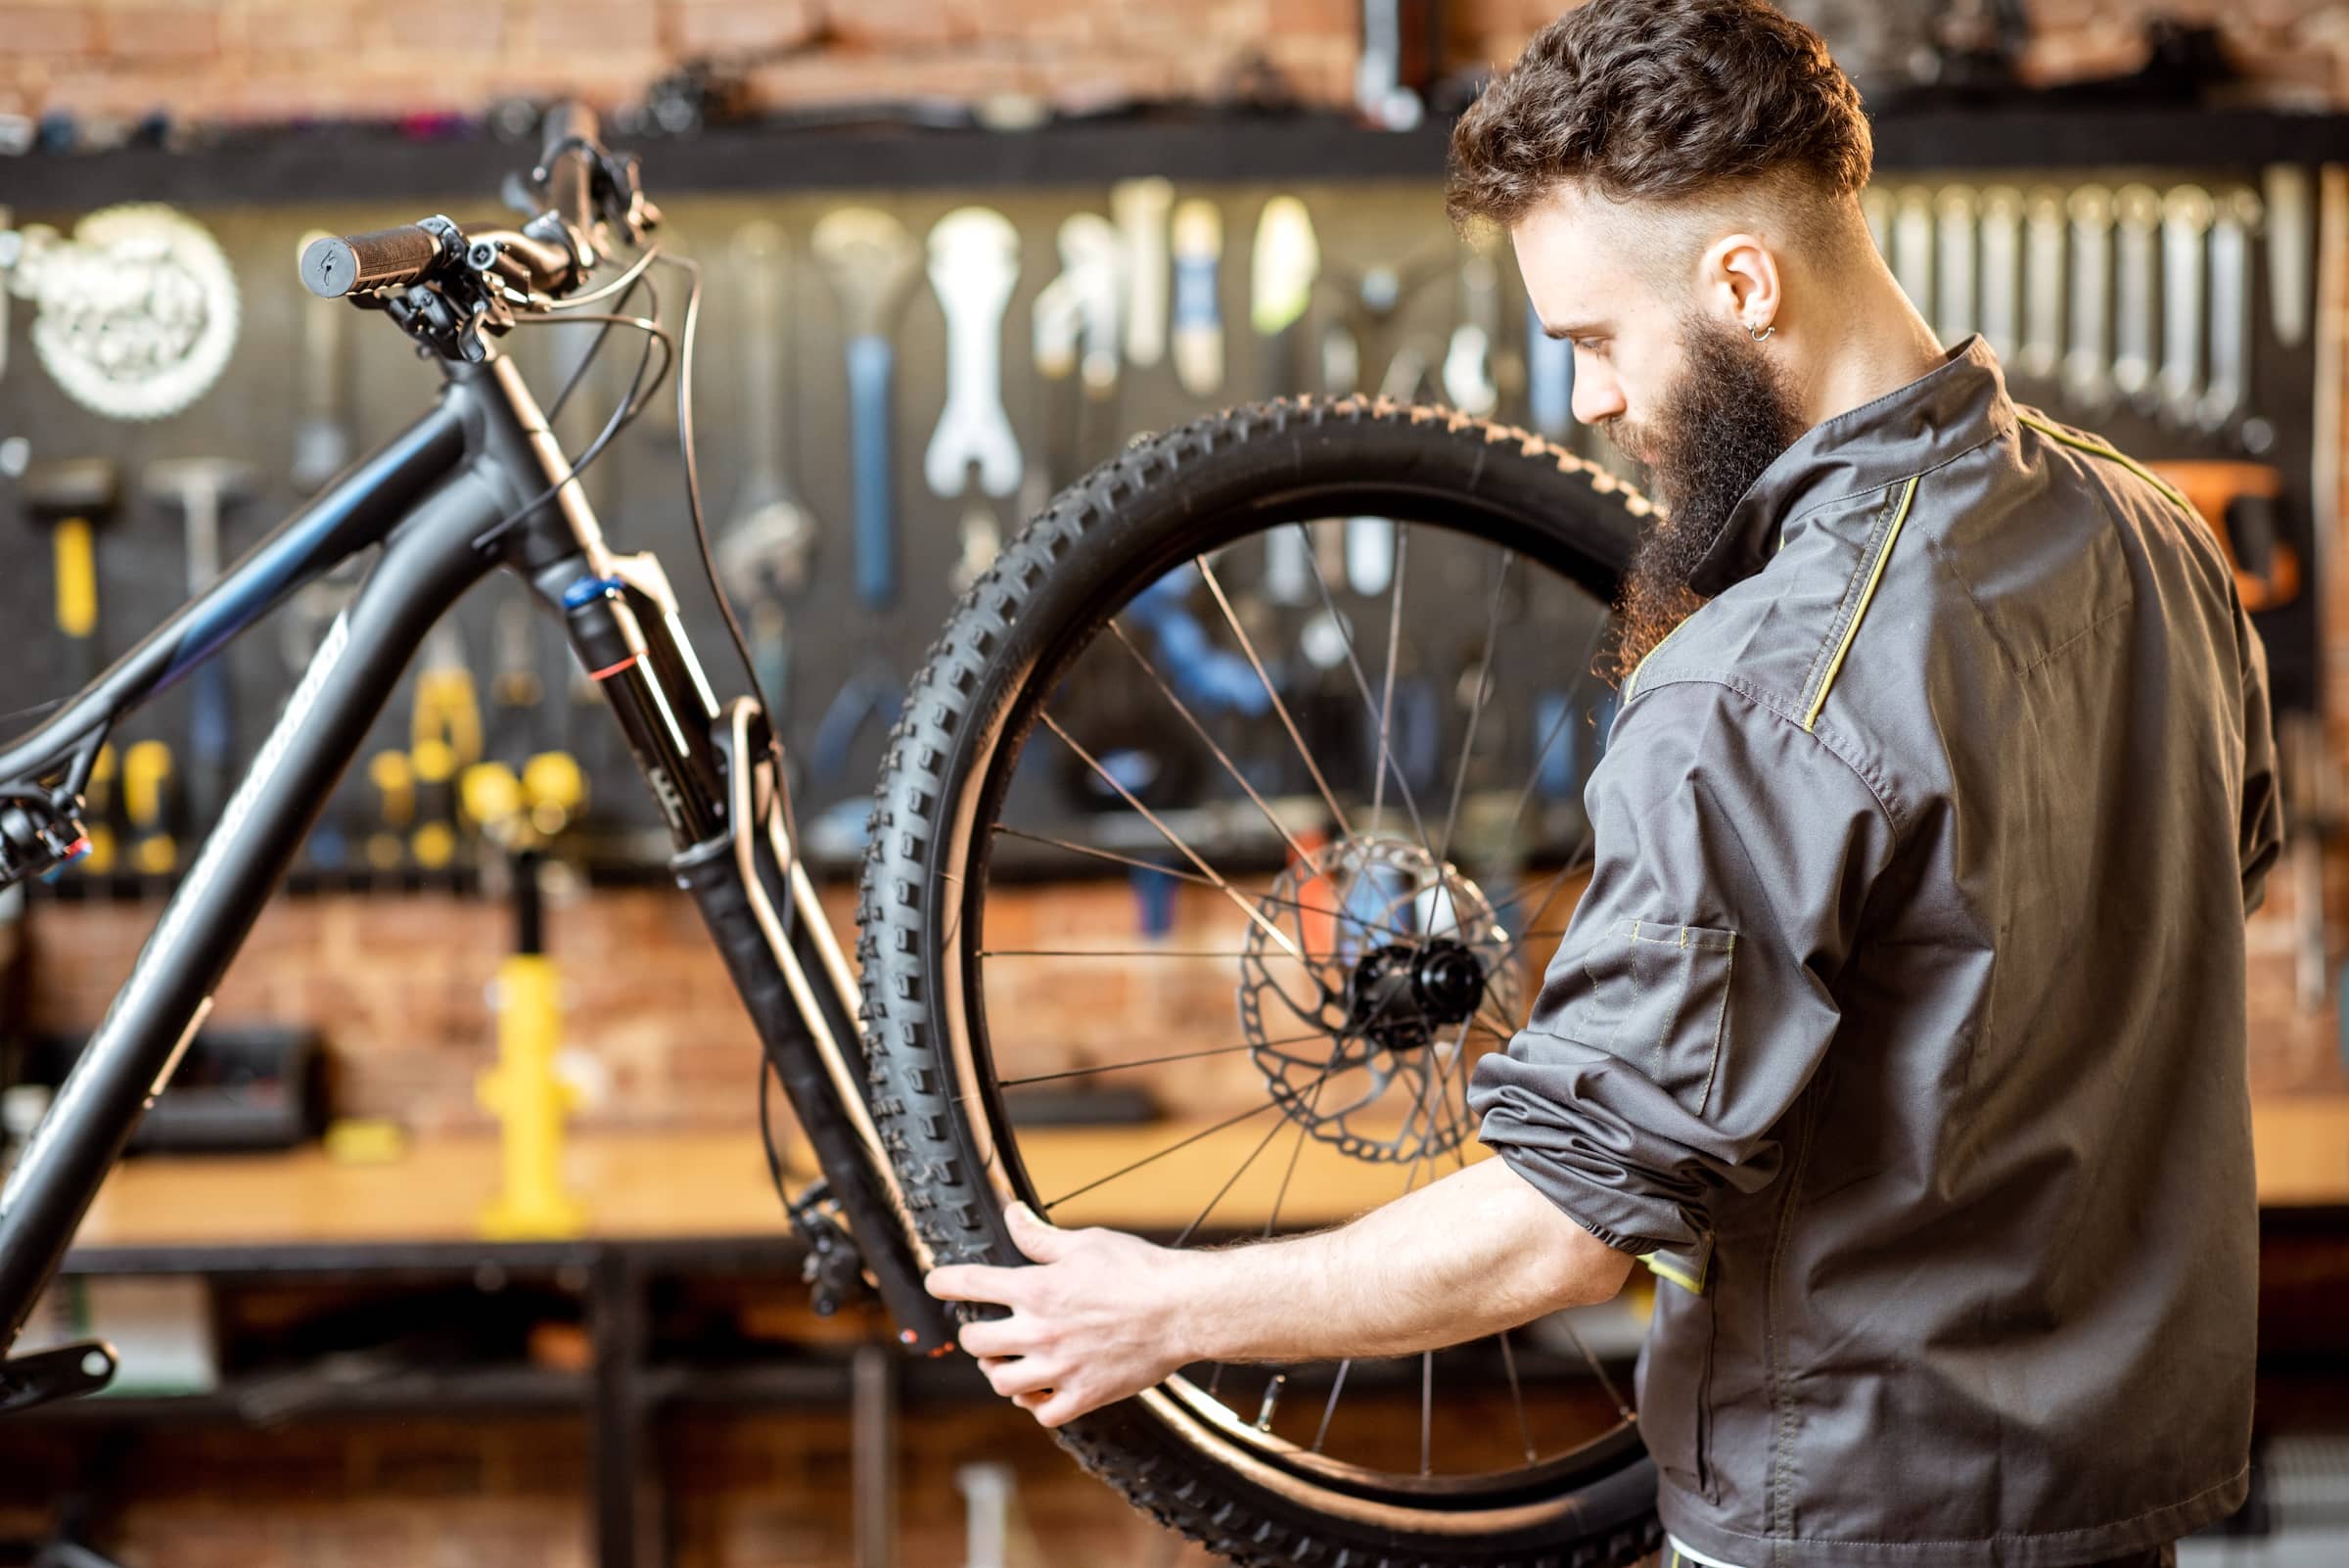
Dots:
pixel 1470 1254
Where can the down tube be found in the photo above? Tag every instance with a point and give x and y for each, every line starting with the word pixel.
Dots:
pixel 428 563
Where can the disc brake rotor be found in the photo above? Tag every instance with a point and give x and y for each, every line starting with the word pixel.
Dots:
pixel 1364 1014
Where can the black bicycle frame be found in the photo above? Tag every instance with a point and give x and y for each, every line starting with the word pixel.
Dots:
pixel 429 498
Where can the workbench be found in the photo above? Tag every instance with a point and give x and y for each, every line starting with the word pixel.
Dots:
pixel 672 1205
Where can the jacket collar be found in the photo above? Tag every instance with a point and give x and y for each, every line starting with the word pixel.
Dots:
pixel 1952 409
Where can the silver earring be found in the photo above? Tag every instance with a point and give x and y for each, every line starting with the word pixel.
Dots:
pixel 1763 333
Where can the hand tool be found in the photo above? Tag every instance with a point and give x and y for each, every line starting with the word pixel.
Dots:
pixel 2226 406
pixel 2186 213
pixel 205 488
pixel 1912 246
pixel 444 738
pixel 2290 207
pixel 2041 352
pixel 1198 319
pixel 156 806
pixel 2087 364
pixel 517 689
pixel 872 264
pixel 1055 324
pixel 1953 210
pixel 2243 503
pixel 1285 260
pixel 1341 359
pixel 1468 379
pixel 71 497
pixel 1394 51
pixel 765 547
pixel 979 538
pixel 394 781
pixel 1095 259
pixel 322 439
pixel 974 265
pixel 2002 270
pixel 1140 208
pixel 2135 211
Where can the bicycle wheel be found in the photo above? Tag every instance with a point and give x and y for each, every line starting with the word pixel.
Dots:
pixel 1333 776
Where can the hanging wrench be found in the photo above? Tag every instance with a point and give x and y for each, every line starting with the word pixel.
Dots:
pixel 2136 210
pixel 1198 313
pixel 2002 269
pixel 1093 258
pixel 1285 260
pixel 2227 400
pixel 2186 213
pixel 2043 284
pixel 974 262
pixel 1912 246
pixel 1140 208
pixel 873 263
pixel 2088 365
pixel 1954 263
pixel 2288 205
pixel 763 550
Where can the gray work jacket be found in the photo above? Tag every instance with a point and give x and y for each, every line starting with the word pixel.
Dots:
pixel 1902 1020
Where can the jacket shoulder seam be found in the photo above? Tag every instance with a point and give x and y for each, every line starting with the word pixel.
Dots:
pixel 1887 800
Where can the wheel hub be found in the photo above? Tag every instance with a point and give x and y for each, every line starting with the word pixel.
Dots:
pixel 1362 980
pixel 1399 995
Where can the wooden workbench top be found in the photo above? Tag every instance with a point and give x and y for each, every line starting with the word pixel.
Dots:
pixel 639 1185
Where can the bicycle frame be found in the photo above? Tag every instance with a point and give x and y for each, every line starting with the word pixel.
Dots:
pixel 428 497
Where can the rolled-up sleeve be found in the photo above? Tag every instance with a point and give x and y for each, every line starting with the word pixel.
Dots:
pixel 1694 992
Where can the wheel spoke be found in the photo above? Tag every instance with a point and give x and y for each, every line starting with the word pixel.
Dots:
pixel 1362 683
pixel 1337 814
pixel 1152 1061
pixel 1327 1068
pixel 1199 729
pixel 1322 1433
pixel 1151 818
pixel 1483 683
pixel 1557 725
pixel 1508 1362
pixel 1386 702
pixel 1146 1159
pixel 1104 855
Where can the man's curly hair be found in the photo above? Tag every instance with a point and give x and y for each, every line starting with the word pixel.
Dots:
pixel 1659 100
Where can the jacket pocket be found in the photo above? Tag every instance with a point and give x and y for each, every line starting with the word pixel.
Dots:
pixel 1663 993
pixel 1675 1391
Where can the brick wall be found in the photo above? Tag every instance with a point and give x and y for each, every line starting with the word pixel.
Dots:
pixel 273 60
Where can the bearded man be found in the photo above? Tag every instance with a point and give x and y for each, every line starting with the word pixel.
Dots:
pixel 1901 1028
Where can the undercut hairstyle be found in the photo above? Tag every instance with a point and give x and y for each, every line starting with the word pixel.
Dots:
pixel 1663 105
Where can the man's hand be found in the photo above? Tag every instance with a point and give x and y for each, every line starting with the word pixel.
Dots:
pixel 1100 1316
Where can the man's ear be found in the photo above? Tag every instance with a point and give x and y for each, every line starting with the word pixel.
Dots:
pixel 1739 280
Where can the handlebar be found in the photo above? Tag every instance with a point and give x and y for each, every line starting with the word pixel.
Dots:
pixel 583 186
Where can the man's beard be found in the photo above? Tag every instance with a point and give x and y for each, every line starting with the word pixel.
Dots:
pixel 1726 419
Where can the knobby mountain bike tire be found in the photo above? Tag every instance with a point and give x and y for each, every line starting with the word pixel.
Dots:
pixel 1183 496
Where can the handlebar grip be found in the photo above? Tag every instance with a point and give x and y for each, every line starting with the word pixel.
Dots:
pixel 338 264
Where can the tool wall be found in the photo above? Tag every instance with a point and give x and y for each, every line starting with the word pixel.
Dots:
pixel 976 350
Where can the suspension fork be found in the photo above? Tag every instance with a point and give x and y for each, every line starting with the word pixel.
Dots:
pixel 715 775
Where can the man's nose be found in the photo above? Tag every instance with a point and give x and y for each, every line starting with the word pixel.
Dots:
pixel 1595 398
